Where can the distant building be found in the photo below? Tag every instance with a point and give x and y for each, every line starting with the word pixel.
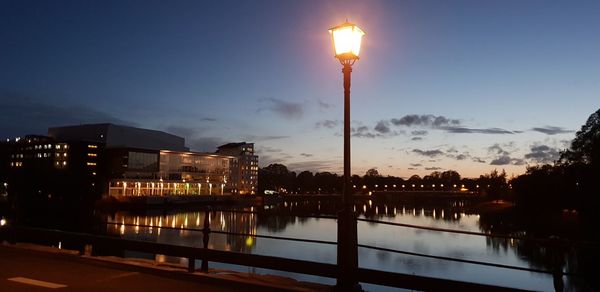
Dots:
pixel 244 171
pixel 48 167
pixel 87 161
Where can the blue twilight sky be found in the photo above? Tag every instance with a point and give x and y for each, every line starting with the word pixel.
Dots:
pixel 465 85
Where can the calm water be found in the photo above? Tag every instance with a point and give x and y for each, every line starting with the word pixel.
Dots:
pixel 281 220
pixel 263 222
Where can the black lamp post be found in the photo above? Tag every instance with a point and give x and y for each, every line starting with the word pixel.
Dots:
pixel 346 43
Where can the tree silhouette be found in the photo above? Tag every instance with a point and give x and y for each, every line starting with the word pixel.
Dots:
pixel 372 172
pixel 585 148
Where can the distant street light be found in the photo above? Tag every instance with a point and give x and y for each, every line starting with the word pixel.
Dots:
pixel 346 46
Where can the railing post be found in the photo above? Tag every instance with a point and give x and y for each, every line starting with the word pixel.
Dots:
pixel 557 257
pixel 191 264
pixel 205 238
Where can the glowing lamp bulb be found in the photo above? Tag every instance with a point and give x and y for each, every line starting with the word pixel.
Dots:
pixel 346 38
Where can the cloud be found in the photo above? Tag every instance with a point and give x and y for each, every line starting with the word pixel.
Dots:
pixel 428 153
pixel 267 149
pixel 180 131
pixel 419 132
pixel 507 160
pixel 205 144
pixel 382 127
pixel 461 157
pixel 263 138
pixel 306 154
pixel 316 166
pixel 381 130
pixel 285 109
pixel 417 138
pixel 433 168
pixel 550 130
pixel 363 132
pixel 542 154
pixel 21 115
pixel 416 164
pixel 477 159
pixel 463 130
pixel 497 149
pixel 330 124
pixel 325 105
pixel 207 119
pixel 424 120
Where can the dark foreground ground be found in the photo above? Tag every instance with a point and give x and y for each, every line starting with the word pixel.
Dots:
pixel 23 269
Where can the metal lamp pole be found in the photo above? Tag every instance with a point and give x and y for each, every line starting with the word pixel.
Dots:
pixel 347 39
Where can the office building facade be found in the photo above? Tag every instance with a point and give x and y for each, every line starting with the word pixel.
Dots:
pixel 244 171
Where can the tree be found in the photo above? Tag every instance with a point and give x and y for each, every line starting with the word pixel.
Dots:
pixel 372 172
pixel 306 182
pixel 585 148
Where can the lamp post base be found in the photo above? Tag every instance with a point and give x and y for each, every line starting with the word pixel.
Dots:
pixel 347 256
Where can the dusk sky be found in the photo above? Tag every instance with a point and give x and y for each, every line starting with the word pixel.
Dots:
pixel 470 86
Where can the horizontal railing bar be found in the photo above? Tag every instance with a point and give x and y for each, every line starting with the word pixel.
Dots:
pixel 254 260
pixel 462 260
pixel 505 236
pixel 423 283
pixel 226 232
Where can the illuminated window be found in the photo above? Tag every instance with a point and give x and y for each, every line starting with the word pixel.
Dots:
pixel 92 146
pixel 91 163
pixel 92 154
pixel 64 163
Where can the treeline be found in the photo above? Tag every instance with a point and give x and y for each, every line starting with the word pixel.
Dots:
pixel 276 177
pixel 573 182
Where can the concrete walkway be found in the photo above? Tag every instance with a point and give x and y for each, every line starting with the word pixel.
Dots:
pixel 40 269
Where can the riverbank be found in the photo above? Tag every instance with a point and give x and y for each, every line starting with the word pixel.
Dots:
pixel 174 202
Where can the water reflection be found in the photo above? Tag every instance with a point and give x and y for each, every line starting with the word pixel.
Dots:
pixel 186 228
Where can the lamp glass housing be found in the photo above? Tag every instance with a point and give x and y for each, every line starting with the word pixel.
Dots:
pixel 346 38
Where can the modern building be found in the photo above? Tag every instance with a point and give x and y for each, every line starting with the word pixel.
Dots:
pixel 142 172
pixel 111 160
pixel 48 167
pixel 244 171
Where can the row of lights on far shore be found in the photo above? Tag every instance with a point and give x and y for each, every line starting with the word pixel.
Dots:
pixel 422 186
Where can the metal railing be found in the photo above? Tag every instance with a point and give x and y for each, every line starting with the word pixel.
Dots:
pixel 291 265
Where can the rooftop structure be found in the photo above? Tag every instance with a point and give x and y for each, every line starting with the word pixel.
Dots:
pixel 113 136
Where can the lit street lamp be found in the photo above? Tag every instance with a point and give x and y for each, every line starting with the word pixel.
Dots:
pixel 346 46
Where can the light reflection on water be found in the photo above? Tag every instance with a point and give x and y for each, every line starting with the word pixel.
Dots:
pixel 407 239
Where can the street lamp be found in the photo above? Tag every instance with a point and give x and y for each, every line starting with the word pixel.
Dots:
pixel 347 39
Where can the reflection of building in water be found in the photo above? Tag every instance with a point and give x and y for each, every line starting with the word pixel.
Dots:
pixel 174 229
